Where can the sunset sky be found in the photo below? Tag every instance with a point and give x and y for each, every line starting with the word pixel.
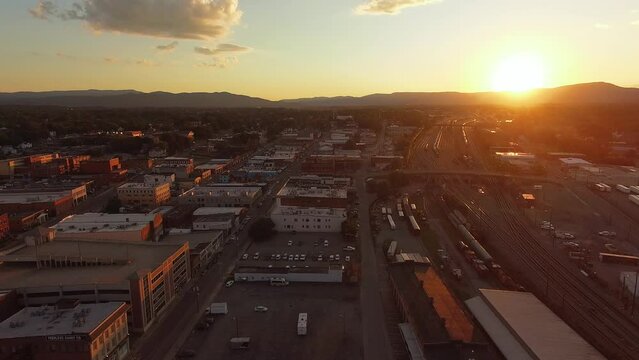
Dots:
pixel 298 48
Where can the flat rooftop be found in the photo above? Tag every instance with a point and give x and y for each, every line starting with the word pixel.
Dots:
pixel 18 269
pixel 215 217
pixel 48 321
pixel 102 222
pixel 140 186
pixel 222 191
pixel 194 239
pixel 32 197
pixel 204 211
pixel 298 210
pixel 523 327
pixel 312 191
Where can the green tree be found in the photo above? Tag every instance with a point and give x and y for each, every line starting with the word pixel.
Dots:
pixel 262 229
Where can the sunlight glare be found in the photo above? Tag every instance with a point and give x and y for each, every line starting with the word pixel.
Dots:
pixel 519 73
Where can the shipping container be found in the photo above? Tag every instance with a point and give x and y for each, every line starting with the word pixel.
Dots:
pixel 634 199
pixel 413 207
pixel 634 189
pixel 624 189
pixel 392 249
pixel 475 245
pixel 302 324
pixel 400 214
pixel 391 222
pixel 383 211
pixel 414 227
pixel 606 187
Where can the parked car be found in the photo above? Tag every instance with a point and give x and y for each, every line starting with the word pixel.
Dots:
pixel 245 257
pixel 229 283
pixel 608 234
pixel 320 258
pixel 278 256
pixel 256 256
pixel 260 308
pixel 348 248
pixel 303 257
pixel 336 257
pixel 331 258
pixel 291 257
pixel 611 248
pixel 290 243
pixel 347 258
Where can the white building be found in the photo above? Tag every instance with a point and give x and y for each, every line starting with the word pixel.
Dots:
pixel 222 222
pixel 155 179
pixel 221 196
pixel 311 204
pixel 301 219
pixel 118 227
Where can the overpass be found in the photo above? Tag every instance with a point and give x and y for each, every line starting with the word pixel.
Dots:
pixel 434 173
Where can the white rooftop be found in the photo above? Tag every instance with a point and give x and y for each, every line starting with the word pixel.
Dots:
pixel 297 210
pixel 47 321
pixel 100 222
pixel 519 322
pixel 145 186
pixel 222 191
pixel 204 211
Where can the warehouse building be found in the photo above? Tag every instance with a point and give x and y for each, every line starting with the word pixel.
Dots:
pixel 118 227
pixel 67 330
pixel 320 274
pixel 147 276
pixel 536 333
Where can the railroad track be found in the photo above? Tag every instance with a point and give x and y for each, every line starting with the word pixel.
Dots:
pixel 605 326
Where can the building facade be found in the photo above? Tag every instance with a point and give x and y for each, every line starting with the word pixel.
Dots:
pixel 145 194
pixel 79 332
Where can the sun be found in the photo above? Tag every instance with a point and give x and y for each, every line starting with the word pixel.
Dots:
pixel 519 73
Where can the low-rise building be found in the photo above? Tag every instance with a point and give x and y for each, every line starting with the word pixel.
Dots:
pixel 54 203
pixel 118 227
pixel 301 219
pixel 222 222
pixel 67 330
pixel 204 248
pixel 221 196
pixel 145 194
pixel 147 276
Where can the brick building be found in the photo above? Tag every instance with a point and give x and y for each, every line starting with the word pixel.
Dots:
pixel 79 332
pixel 4 225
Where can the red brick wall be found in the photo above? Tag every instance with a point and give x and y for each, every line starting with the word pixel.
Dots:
pixel 4 225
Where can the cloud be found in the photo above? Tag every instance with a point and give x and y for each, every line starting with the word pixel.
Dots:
pixel 179 19
pixel 168 47
pixel 43 10
pixel 221 49
pixel 388 7
pixel 601 26
pixel 219 63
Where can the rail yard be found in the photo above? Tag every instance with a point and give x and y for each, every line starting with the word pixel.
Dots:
pixel 496 229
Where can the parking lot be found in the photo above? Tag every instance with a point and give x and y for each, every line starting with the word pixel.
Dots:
pixel 334 323
pixel 300 250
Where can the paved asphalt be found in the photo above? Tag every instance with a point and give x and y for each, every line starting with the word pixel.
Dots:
pixel 375 335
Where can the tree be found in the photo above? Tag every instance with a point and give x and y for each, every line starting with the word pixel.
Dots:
pixel 113 206
pixel 262 229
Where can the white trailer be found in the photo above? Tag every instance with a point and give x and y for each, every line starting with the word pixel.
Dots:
pixel 634 189
pixel 606 187
pixel 600 187
pixel 302 324
pixel 383 211
pixel 217 309
pixel 623 188
pixel 389 210
pixel 391 222
pixel 634 199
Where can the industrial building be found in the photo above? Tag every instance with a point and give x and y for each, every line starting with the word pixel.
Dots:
pixel 145 194
pixel 67 330
pixel 117 227
pixel 147 276
pixel 323 274
pixel 522 327
pixel 221 196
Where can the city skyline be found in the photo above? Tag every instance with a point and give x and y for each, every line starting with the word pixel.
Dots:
pixel 285 49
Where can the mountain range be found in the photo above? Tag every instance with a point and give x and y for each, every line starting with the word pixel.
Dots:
pixel 579 94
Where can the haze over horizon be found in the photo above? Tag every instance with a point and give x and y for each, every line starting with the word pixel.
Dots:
pixel 285 49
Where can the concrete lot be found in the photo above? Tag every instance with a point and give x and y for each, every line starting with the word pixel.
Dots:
pixel 310 244
pixel 334 323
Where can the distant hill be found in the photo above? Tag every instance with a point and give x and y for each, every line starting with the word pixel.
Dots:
pixel 590 93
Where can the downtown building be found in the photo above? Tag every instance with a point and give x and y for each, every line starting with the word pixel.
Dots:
pixel 311 204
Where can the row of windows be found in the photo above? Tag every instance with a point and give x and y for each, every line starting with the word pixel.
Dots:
pixel 308 220
pixel 317 227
